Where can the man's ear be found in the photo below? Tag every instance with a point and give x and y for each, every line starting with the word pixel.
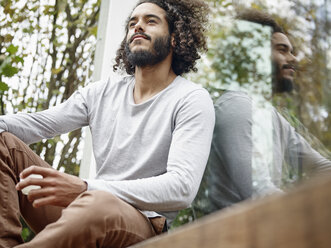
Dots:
pixel 173 43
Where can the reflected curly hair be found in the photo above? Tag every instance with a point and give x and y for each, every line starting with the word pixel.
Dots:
pixel 259 17
pixel 187 21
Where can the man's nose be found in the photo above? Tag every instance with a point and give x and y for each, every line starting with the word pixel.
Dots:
pixel 138 27
pixel 292 58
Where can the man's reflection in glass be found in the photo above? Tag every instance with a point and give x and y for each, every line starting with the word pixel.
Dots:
pixel 238 168
pixel 283 63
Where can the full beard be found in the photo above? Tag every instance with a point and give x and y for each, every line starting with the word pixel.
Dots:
pixel 141 58
pixel 280 84
pixel 283 85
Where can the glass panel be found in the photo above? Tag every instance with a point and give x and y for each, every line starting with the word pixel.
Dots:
pixel 268 71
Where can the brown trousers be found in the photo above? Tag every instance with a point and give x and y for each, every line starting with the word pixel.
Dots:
pixel 93 219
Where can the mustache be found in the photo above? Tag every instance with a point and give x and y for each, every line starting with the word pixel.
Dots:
pixel 146 36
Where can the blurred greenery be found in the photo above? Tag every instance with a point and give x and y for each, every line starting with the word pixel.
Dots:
pixel 56 41
pixel 27 234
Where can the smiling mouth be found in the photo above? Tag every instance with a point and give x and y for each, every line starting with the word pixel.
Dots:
pixel 289 67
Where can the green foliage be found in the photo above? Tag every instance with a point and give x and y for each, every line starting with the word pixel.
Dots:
pixel 55 40
pixel 7 64
pixel 59 40
pixel 3 87
pixel 184 216
pixel 27 234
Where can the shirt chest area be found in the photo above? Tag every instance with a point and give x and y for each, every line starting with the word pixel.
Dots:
pixel 122 120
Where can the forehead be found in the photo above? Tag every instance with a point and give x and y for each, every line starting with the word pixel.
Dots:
pixel 146 9
pixel 280 39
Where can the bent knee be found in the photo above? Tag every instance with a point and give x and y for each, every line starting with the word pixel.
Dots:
pixel 99 205
pixel 96 197
pixel 6 135
pixel 10 140
pixel 99 201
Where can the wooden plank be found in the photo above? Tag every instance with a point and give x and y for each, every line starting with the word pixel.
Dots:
pixel 301 218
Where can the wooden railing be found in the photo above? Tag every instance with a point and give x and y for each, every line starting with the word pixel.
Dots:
pixel 300 218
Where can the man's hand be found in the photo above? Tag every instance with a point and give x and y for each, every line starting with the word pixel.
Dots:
pixel 57 188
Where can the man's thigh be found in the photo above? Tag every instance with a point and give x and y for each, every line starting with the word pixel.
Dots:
pixel 95 219
pixel 123 224
pixel 18 156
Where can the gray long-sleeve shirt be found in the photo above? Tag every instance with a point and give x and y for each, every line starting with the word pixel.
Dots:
pixel 152 154
pixel 237 168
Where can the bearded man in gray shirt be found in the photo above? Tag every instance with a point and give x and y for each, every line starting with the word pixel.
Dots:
pixel 151 138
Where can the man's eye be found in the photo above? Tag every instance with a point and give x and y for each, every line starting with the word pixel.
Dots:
pixel 151 21
pixel 131 24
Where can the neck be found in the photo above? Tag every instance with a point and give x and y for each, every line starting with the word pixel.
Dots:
pixel 150 80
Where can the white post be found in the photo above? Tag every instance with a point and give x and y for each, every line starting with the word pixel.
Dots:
pixel 111 31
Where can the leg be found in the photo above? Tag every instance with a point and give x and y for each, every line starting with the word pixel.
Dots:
pixel 15 156
pixel 95 219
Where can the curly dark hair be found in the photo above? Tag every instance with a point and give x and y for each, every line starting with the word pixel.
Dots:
pixel 187 21
pixel 256 16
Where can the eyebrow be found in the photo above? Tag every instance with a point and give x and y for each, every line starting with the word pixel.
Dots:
pixel 285 45
pixel 145 16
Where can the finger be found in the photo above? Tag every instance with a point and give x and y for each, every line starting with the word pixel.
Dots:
pixel 49 200
pixel 30 181
pixel 34 169
pixel 42 182
pixel 41 193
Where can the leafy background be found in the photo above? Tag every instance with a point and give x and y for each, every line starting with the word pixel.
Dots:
pixel 46 53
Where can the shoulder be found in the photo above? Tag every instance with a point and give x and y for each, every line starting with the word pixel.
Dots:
pixel 187 91
pixel 282 128
pixel 105 87
pixel 233 97
pixel 190 100
pixel 232 103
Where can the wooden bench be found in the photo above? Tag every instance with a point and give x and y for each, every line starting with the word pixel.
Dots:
pixel 301 218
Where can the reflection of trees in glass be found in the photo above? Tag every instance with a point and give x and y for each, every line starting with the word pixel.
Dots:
pixel 315 88
pixel 56 39
pixel 240 57
pixel 308 24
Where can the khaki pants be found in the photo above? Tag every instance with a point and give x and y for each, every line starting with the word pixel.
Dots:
pixel 93 219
